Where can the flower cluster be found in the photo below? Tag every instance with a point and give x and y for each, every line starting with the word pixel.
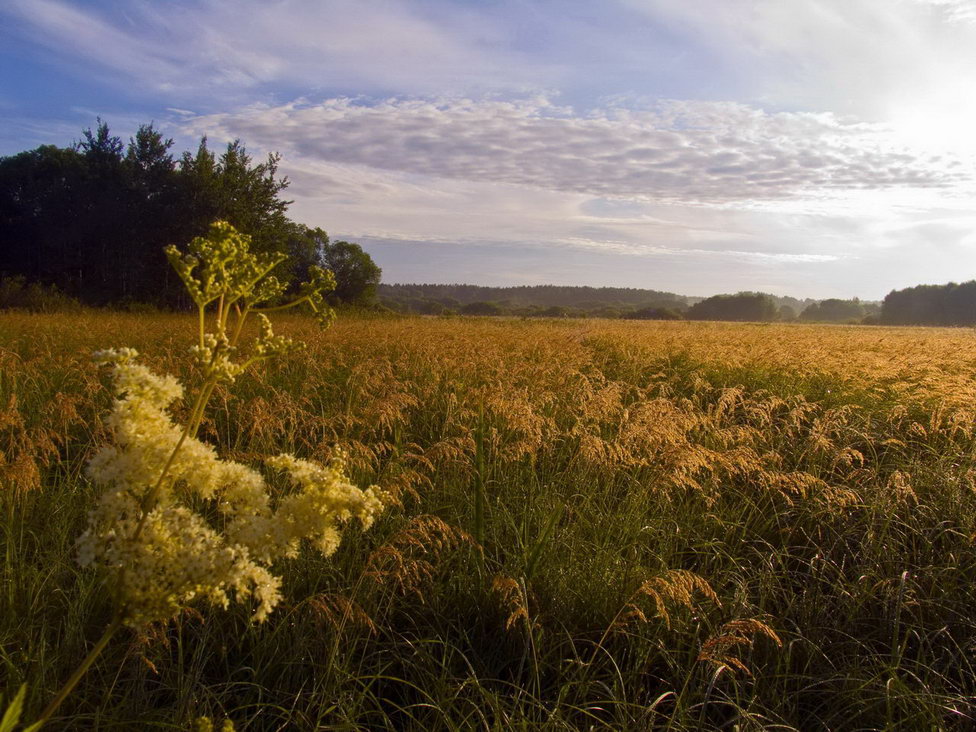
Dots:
pixel 268 345
pixel 215 357
pixel 176 522
pixel 166 554
pixel 221 264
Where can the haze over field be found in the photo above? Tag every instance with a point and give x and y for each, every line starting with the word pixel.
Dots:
pixel 810 148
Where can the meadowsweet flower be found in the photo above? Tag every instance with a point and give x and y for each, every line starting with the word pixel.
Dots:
pixel 149 529
pixel 326 500
pixel 166 555
pixel 268 345
pixel 175 523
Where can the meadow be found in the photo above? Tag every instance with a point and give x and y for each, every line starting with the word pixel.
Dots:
pixel 598 524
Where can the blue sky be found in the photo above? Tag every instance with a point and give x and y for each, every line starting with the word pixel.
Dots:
pixel 819 148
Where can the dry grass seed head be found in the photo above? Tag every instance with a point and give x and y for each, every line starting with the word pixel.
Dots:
pixel 408 561
pixel 156 635
pixel 264 422
pixel 401 483
pixel 673 590
pixel 453 453
pixel 722 647
pixel 19 472
pixel 18 450
pixel 729 400
pixel 514 600
pixel 146 637
pixel 899 488
pixel 524 429
pixel 340 611
pixel 361 457
pixel 846 457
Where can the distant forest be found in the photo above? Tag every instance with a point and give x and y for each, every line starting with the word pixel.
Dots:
pixel 527 300
pixel 616 302
pixel 951 304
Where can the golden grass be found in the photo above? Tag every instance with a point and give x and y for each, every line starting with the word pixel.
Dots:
pixel 693 487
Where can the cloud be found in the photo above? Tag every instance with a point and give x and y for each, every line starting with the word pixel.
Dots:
pixel 849 56
pixel 70 32
pixel 230 48
pixel 539 127
pixel 664 197
pixel 687 152
pixel 954 10
pixel 903 60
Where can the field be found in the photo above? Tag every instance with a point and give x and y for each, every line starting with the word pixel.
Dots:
pixel 626 525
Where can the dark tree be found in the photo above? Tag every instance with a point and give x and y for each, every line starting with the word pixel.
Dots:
pixel 304 247
pixel 43 201
pixel 833 310
pixel 744 306
pixel 149 162
pixel 356 274
pixel 482 308
pixel 235 189
pixel 93 218
pixel 102 150
pixel 950 304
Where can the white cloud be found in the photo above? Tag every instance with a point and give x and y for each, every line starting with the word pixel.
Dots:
pixel 688 152
pixel 955 10
pixel 685 193
pixel 871 58
pixel 226 47
pixel 70 32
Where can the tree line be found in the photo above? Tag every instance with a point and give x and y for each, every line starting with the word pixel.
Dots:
pixel 92 219
pixel 949 304
pixel 615 302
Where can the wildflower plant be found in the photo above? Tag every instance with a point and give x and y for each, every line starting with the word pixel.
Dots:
pixel 175 523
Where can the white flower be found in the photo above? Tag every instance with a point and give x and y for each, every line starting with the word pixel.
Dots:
pixel 165 555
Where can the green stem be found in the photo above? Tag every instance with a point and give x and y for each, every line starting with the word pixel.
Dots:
pixel 197 417
pixel 285 306
pixel 479 478
pixel 82 669
pixel 239 324
pixel 9 568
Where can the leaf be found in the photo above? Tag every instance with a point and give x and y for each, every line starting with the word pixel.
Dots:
pixel 12 716
pixel 535 553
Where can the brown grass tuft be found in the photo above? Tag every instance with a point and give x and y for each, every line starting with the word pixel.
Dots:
pixel 722 647
pixel 409 560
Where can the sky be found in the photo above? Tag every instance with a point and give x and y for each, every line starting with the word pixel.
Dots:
pixel 813 148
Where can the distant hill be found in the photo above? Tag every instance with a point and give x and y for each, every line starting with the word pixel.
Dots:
pixel 419 297
pixel 552 300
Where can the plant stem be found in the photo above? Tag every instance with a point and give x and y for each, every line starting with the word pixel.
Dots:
pixel 83 667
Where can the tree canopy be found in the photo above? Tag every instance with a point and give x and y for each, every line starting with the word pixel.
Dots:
pixel 93 218
pixel 743 306
pixel 356 274
pixel 833 310
pixel 949 304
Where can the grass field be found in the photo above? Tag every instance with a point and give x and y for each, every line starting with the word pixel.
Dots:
pixel 602 524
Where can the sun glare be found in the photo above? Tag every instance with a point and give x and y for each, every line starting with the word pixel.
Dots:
pixel 942 120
